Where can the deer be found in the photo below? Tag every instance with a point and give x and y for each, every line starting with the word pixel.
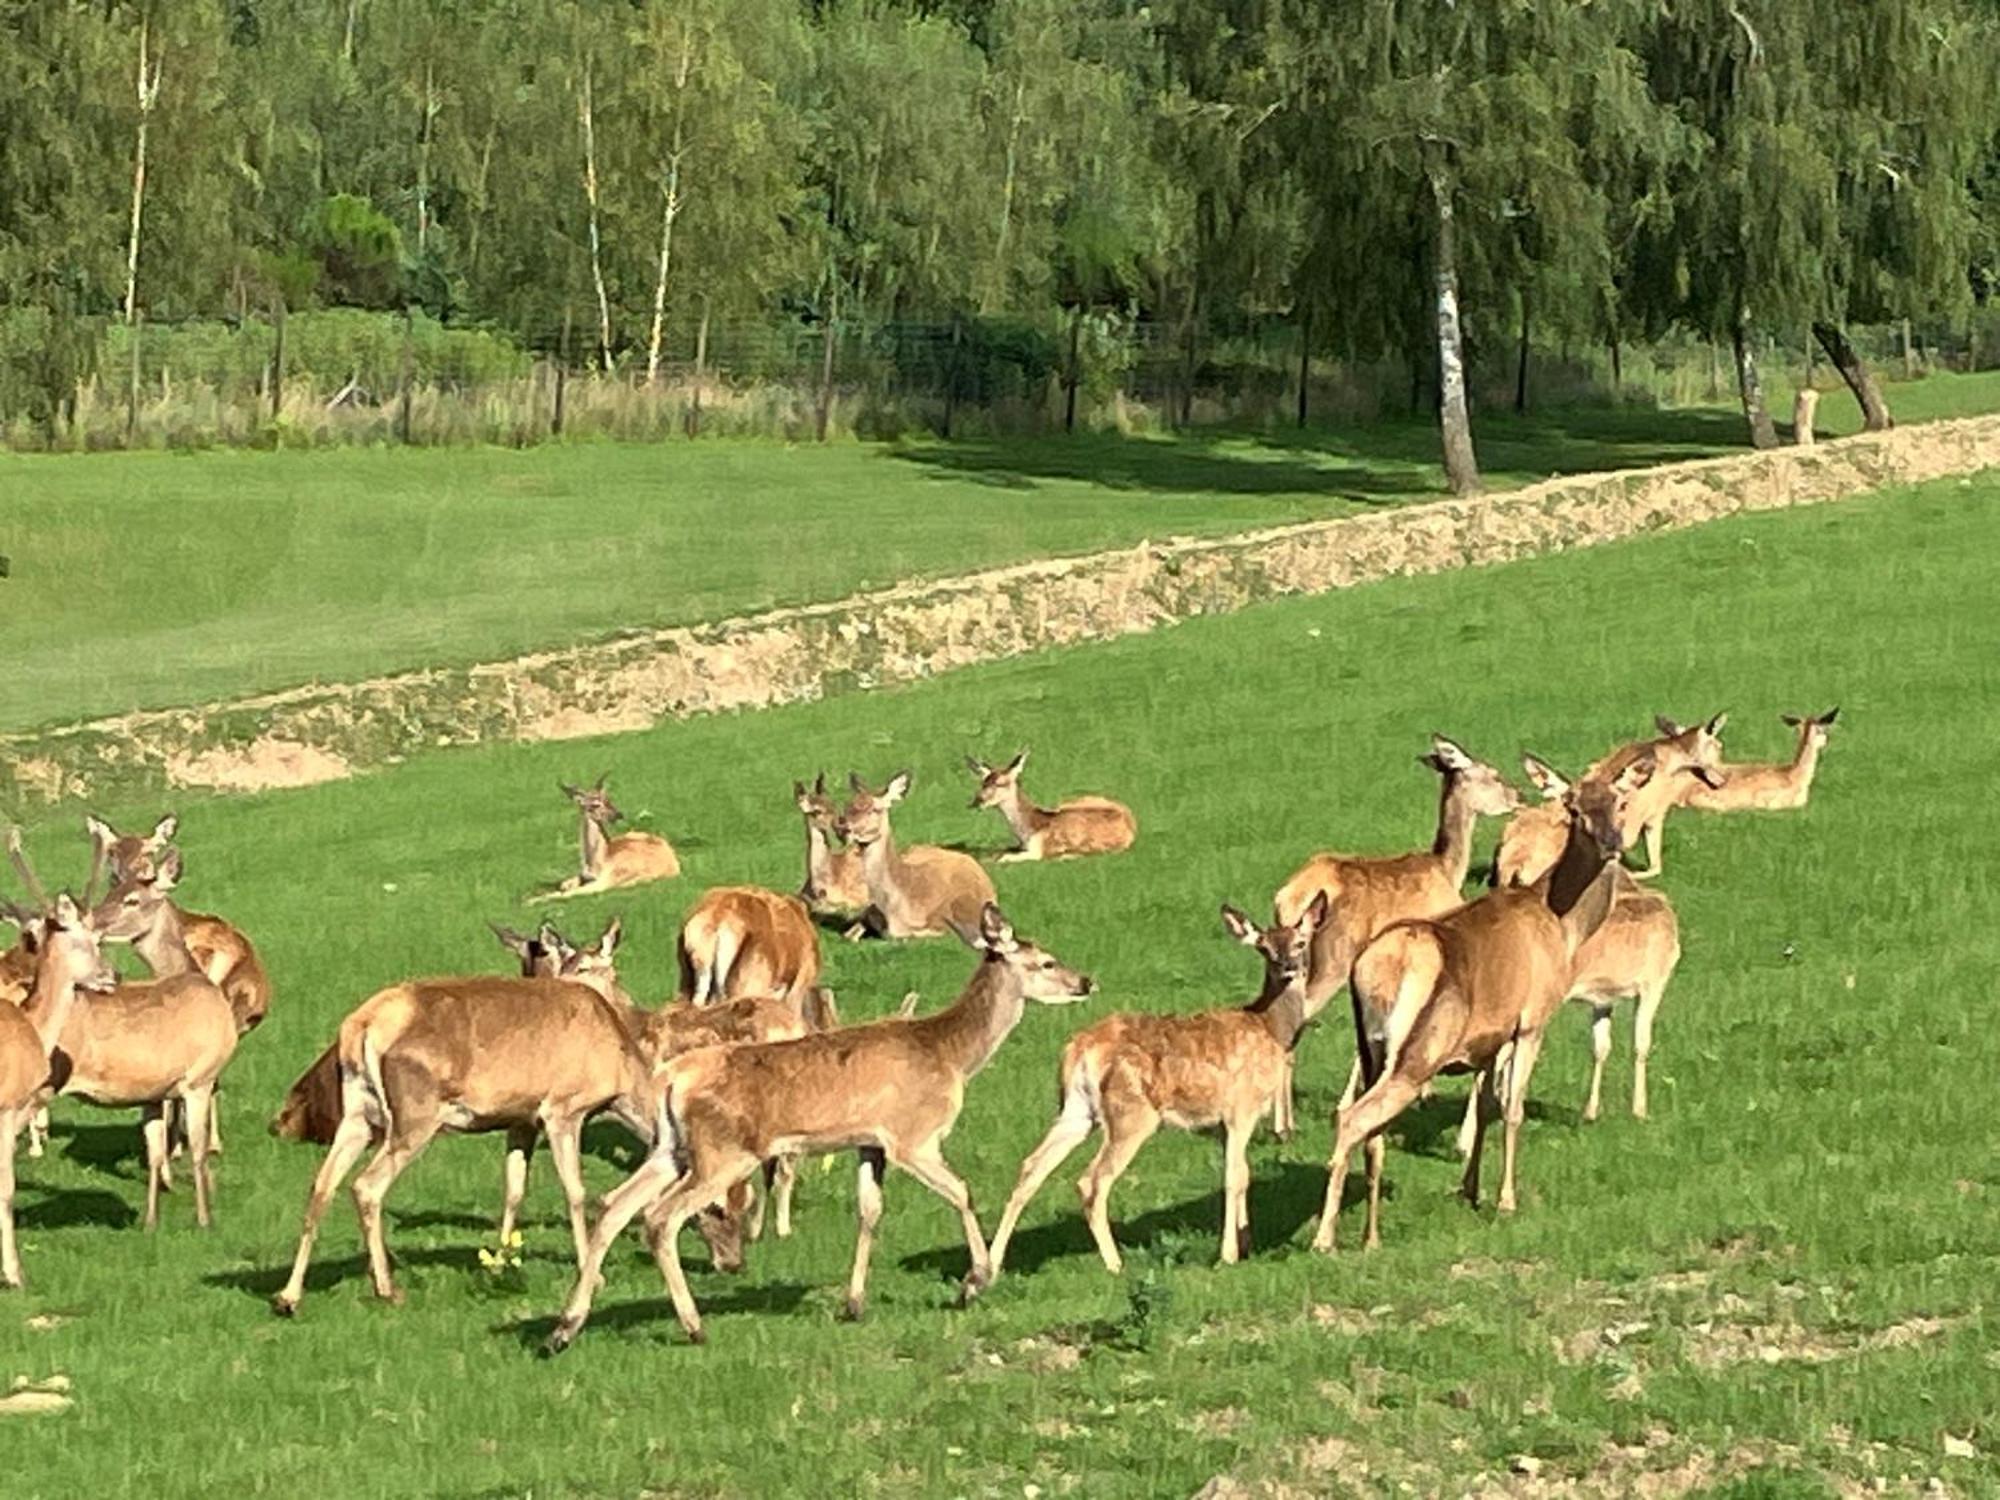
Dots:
pixel 149 1043
pixel 1532 840
pixel 468 1055
pixel 891 1089
pixel 1764 787
pixel 834 883
pixel 1679 746
pixel 68 961
pixel 1366 893
pixel 1080 825
pixel 611 862
pixel 916 892
pixel 1129 1074
pixel 1472 991
pixel 745 940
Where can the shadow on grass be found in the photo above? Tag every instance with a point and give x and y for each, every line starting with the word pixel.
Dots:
pixel 1430 1128
pixel 656 1314
pixel 62 1209
pixel 116 1150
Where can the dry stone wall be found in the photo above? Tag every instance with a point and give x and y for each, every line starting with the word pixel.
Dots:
pixel 320 732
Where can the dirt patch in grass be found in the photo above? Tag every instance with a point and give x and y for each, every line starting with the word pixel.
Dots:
pixel 264 765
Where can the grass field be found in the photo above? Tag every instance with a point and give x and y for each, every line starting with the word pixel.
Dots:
pixel 150 580
pixel 1776 1287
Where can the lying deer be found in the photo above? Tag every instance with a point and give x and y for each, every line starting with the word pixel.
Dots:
pixel 610 862
pixel 1130 1074
pixel 1082 825
pixel 892 1088
pixel 916 892
pixel 157 1042
pixel 1367 893
pixel 1472 991
pixel 67 960
pixel 471 1055
pixel 1679 747
pixel 1767 787
pixel 834 884
pixel 745 940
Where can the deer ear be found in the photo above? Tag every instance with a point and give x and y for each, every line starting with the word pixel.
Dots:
pixel 165 829
pixel 1239 926
pixel 1714 725
pixel 100 832
pixel 514 942
pixel 819 784
pixel 996 933
pixel 1550 782
pixel 799 793
pixel 1014 765
pixel 977 767
pixel 608 944
pixel 1634 776
pixel 167 872
pixel 1316 914
pixel 855 783
pixel 897 789
pixel 1793 720
pixel 1829 716
pixel 1669 727
pixel 1449 756
pixel 569 791
pixel 1709 777
pixel 66 913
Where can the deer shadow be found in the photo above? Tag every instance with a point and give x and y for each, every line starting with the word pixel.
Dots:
pixel 67 1208
pixel 115 1150
pixel 262 1282
pixel 1430 1126
pixel 656 1314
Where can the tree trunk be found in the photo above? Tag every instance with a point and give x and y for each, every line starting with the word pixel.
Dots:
pixel 1804 403
pixel 424 158
pixel 1874 410
pixel 996 287
pixel 826 364
pixel 671 210
pixel 149 93
pixel 135 328
pixel 1714 372
pixel 700 372
pixel 1763 433
pixel 1305 360
pixel 951 378
pixel 562 376
pixel 1075 375
pixel 1521 366
pixel 347 41
pixel 1461 464
pixel 403 397
pixel 1617 367
pixel 1187 358
pixel 1909 353
pixel 277 358
pixel 588 113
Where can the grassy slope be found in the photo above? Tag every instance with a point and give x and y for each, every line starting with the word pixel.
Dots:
pixel 147 579
pixel 1821 1146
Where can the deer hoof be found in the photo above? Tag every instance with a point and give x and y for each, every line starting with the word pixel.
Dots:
pixel 285 1306
pixel 851 1311
pixel 560 1337
pixel 697 1335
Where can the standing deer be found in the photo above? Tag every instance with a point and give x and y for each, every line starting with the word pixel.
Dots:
pixel 834 884
pixel 1532 840
pixel 916 892
pixel 745 940
pixel 611 861
pixel 1082 825
pixel 1679 747
pixel 1367 893
pixel 1130 1074
pixel 471 1055
pixel 1472 991
pixel 68 960
pixel 1767 787
pixel 892 1088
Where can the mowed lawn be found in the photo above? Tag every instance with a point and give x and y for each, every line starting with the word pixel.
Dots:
pixel 1777 1286
pixel 155 580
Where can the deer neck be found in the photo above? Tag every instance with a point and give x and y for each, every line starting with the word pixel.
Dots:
pixel 1283 1012
pixel 1805 760
pixel 881 864
pixel 819 853
pixel 48 1005
pixel 1579 889
pixel 982 1017
pixel 594 842
pixel 164 944
pixel 1452 848
pixel 1023 817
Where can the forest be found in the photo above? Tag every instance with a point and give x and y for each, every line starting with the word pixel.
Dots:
pixel 994 189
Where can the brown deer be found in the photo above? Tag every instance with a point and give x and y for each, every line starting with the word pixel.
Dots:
pixel 470 1055
pixel 1679 747
pixel 892 1088
pixel 610 862
pixel 1081 825
pixel 834 884
pixel 1472 991
pixel 745 940
pixel 1367 893
pixel 1130 1074
pixel 916 892
pixel 1766 787
pixel 153 1043
pixel 67 960
pixel 1532 840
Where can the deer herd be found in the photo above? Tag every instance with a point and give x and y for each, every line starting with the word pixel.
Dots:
pixel 748 1068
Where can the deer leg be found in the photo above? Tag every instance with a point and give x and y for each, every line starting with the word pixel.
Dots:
pixel 1654 834
pixel 656 1174
pixel 1482 1109
pixel 1642 1045
pixel 10 1254
pixel 1071 1126
pixel 1385 1099
pixel 38 1131
pixel 565 1134
pixel 1126 1129
pixel 1468 1124
pixel 197 1106
pixel 1283 1119
pixel 781 1175
pixel 402 1147
pixel 350 1139
pixel 868 1205
pixel 928 1166
pixel 1236 1193
pixel 1600 1053
pixel 215 1124
pixel 1527 1047
pixel 520 1147
pixel 154 1128
pixel 663 1232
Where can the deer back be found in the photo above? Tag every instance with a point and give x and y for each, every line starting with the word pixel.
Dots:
pixel 1637 946
pixel 775 942
pixel 1195 1070
pixel 144 1040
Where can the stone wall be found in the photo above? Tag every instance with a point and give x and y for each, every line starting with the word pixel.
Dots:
pixel 916 630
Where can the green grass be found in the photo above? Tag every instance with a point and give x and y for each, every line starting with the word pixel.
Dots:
pixel 154 580
pixel 1820 1166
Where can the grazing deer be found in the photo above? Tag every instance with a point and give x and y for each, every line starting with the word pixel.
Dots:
pixel 610 862
pixel 1532 840
pixel 472 1055
pixel 914 892
pixel 1130 1074
pixel 1679 747
pixel 1767 787
pixel 68 960
pixel 1367 893
pixel 745 940
pixel 1082 825
pixel 834 884
pixel 157 1042
pixel 892 1088
pixel 1472 991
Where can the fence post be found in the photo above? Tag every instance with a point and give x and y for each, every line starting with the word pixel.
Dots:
pixel 136 322
pixel 1305 359
pixel 562 376
pixel 826 364
pixel 1075 374
pixel 277 357
pixel 403 400
pixel 700 372
pixel 951 377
